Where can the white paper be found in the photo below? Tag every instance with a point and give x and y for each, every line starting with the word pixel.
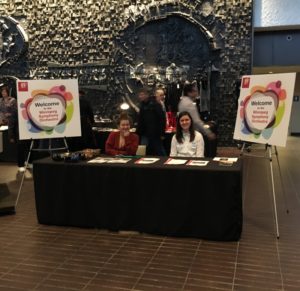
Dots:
pixel 232 160
pixel 99 160
pixel 175 162
pixel 147 161
pixel 197 163
pixel 118 161
pixel 3 127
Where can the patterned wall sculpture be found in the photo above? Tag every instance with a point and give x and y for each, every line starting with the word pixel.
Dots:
pixel 113 47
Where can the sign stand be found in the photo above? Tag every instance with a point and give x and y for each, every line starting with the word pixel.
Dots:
pixel 263 114
pixel 269 157
pixel 51 107
pixel 273 189
pixel 31 149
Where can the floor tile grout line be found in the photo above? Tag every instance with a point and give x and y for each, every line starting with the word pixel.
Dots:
pixel 277 240
pixel 243 205
pixel 148 264
pixel 245 184
pixel 22 261
pixel 192 262
pixel 288 240
pixel 294 187
pixel 62 263
pixel 235 265
pixel 279 263
pixel 108 260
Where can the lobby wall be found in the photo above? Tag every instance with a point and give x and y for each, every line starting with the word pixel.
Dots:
pixel 88 40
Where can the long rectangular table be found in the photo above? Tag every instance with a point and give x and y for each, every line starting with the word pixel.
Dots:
pixel 188 201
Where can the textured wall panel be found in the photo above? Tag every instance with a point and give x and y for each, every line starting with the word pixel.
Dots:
pixel 83 39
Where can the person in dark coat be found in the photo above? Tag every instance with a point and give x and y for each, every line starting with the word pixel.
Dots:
pixel 87 139
pixel 151 124
pixel 22 145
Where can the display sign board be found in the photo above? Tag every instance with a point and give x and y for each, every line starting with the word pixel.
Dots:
pixel 48 109
pixel 264 108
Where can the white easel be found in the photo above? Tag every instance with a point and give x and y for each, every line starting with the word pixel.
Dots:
pixel 269 155
pixel 50 150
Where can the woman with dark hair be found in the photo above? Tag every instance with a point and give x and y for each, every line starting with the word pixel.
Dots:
pixel 7 106
pixel 186 142
pixel 122 142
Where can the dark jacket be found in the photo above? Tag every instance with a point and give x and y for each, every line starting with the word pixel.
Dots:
pixel 87 138
pixel 86 111
pixel 152 119
pixel 13 124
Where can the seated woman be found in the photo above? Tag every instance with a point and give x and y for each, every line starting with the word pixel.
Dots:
pixel 122 142
pixel 186 142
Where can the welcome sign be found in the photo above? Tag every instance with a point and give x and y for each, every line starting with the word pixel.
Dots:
pixel 265 108
pixel 48 109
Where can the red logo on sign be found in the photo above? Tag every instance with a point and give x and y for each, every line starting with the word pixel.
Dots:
pixel 23 86
pixel 246 82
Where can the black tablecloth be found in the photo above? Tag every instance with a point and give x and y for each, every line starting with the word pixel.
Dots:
pixel 9 153
pixel 203 202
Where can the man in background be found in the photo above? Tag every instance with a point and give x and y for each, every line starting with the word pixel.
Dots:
pixel 87 139
pixel 151 123
pixel 187 103
pixel 160 97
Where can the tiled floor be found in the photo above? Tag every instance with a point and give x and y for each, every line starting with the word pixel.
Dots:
pixel 38 257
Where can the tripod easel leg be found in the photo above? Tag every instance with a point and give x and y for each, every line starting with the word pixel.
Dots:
pixel 66 144
pixel 281 180
pixel 242 149
pixel 23 176
pixel 273 190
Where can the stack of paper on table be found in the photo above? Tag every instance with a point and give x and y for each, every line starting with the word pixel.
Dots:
pixel 175 162
pixel 197 163
pixel 147 161
pixel 218 159
pixel 101 160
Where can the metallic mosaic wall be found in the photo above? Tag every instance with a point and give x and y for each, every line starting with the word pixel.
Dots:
pixel 94 41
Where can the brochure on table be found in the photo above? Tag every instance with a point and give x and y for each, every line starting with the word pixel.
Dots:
pixel 3 127
pixel 197 163
pixel 102 160
pixel 218 159
pixel 172 161
pixel 146 161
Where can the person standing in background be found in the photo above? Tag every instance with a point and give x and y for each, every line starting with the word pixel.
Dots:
pixel 151 124
pixel 187 103
pixel 7 105
pixel 13 133
pixel 160 97
pixel 87 121
pixel 87 139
